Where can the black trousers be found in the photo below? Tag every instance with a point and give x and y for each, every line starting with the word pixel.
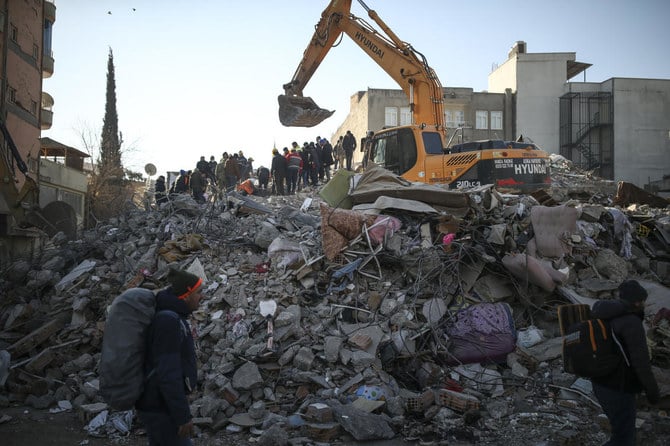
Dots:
pixel 620 410
pixel 162 430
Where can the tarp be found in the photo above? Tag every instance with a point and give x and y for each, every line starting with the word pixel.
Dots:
pixel 383 202
pixel 377 181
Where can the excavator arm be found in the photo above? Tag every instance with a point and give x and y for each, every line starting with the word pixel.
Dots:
pixel 403 63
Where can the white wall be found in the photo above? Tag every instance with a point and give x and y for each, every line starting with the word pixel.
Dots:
pixel 538 80
pixel 642 129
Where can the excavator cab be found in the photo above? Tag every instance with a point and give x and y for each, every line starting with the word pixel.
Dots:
pixel 301 111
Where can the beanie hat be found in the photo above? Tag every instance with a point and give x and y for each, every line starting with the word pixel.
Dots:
pixel 183 282
pixel 631 291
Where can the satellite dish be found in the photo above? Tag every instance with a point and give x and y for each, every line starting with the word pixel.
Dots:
pixel 150 169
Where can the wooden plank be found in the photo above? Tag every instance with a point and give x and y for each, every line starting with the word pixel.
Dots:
pixel 37 337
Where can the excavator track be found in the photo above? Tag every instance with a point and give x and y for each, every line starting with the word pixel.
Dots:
pixel 301 111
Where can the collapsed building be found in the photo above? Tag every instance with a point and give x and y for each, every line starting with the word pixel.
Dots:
pixel 404 311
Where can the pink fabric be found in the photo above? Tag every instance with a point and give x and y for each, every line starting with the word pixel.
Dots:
pixel 384 226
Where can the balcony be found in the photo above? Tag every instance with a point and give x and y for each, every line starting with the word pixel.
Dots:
pixel 46 114
pixel 50 11
pixel 47 66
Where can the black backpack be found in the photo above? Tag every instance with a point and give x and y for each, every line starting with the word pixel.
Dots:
pixel 591 350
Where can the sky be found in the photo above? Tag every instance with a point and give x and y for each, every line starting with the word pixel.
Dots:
pixel 202 77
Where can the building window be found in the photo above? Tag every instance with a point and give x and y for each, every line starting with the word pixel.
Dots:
pixel 46 41
pixel 496 120
pixel 454 118
pixel 459 118
pixel 36 52
pixel 14 34
pixel 390 116
pixel 449 119
pixel 405 116
pixel 11 95
pixel 481 119
pixel 33 107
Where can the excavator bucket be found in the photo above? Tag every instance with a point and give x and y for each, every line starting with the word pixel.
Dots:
pixel 300 111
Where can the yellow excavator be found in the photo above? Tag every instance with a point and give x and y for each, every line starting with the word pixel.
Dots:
pixel 419 151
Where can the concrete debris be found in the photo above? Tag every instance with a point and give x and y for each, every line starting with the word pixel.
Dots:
pixel 420 314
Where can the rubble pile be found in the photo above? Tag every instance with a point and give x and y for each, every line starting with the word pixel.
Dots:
pixel 417 314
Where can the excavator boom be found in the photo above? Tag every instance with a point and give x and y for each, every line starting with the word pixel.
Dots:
pixel 404 64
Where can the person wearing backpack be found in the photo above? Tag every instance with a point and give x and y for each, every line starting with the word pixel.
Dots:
pixel 170 364
pixel 616 392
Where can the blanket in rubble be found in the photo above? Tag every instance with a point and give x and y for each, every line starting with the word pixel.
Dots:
pixel 481 333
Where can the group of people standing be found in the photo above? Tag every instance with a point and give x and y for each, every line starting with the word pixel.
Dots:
pixel 310 164
pixel 230 170
pixel 291 170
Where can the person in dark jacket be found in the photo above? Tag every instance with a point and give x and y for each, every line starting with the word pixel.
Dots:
pixel 349 145
pixel 232 171
pixel 198 184
pixel 313 164
pixel 203 166
pixel 212 169
pixel 170 364
pixel 616 392
pixel 159 191
pixel 263 175
pixel 181 183
pixel 278 171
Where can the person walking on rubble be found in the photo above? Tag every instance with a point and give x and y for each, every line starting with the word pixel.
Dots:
pixel 616 392
pixel 170 364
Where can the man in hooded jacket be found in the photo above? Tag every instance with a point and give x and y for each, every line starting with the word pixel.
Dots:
pixel 616 392
pixel 170 364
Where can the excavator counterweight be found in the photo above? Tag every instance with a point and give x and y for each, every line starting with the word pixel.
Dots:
pixel 301 111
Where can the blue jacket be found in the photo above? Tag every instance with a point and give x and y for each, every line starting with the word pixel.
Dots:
pixel 170 361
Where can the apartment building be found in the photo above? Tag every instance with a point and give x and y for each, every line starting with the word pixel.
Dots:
pixel 25 46
pixel 26 29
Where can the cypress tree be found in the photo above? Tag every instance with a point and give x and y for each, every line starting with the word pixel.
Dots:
pixel 110 147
